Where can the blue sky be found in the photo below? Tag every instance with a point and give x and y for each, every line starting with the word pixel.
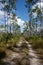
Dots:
pixel 21 10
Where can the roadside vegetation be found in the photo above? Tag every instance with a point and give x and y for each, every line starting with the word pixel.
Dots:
pixel 37 44
pixel 7 41
pixel 36 41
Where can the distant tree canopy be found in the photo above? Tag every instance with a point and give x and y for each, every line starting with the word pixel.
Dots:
pixel 29 4
pixel 9 7
pixel 35 15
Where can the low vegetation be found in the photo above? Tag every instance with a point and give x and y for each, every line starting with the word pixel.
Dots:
pixel 7 41
pixel 36 41
pixel 37 44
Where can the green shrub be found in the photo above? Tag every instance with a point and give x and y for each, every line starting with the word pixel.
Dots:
pixel 36 41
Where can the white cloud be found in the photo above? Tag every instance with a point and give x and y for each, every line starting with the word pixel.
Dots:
pixel 1 5
pixel 38 4
pixel 1 12
pixel 20 22
pixel 35 15
pixel 1 16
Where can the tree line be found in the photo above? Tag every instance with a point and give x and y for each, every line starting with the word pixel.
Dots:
pixel 9 8
pixel 35 17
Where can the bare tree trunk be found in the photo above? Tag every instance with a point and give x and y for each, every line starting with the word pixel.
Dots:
pixel 5 21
